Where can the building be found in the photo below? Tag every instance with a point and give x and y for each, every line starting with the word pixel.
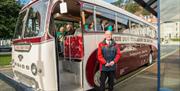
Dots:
pixel 151 19
pixel 170 30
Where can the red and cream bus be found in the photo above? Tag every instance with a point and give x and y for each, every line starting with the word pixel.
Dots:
pixel 42 63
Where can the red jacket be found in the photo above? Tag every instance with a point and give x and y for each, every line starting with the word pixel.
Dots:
pixel 101 59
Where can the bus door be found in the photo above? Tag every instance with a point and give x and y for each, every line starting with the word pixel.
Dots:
pixel 69 45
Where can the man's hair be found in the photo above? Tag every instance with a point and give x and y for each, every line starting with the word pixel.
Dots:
pixel 108 31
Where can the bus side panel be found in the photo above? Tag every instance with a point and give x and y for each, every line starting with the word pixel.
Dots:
pixel 134 56
pixel 91 42
pixel 49 72
pixel 132 60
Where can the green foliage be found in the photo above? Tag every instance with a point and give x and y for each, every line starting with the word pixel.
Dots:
pixel 132 7
pixel 176 39
pixel 145 12
pixel 117 3
pixel 136 9
pixel 5 60
pixel 9 11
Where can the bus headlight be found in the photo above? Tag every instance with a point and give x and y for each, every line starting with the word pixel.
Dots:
pixel 34 69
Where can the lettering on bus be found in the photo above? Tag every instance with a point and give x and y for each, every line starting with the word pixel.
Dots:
pixel 143 52
pixel 132 39
pixel 22 47
pixel 143 55
pixel 22 66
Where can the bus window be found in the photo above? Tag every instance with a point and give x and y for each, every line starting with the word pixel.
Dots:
pixel 122 28
pixel 30 23
pixel 78 28
pixel 149 31
pixel 102 23
pixel 104 18
pixel 70 20
pixel 141 29
pixel 88 23
pixel 20 24
pixel 122 24
pixel 33 23
pixel 134 28
pixel 52 27
pixel 153 32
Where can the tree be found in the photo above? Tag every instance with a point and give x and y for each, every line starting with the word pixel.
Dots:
pixel 132 7
pixel 9 11
pixel 118 3
pixel 136 9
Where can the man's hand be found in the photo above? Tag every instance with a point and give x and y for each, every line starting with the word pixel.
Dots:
pixel 107 64
pixel 111 63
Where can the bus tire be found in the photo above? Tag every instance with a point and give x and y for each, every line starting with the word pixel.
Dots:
pixel 150 59
pixel 97 76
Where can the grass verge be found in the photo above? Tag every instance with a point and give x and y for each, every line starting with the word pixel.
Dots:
pixel 5 60
pixel 176 39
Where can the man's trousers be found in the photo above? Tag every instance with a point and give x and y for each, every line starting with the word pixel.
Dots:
pixel 104 75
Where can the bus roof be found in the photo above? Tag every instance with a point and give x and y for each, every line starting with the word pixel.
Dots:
pixel 116 9
pixel 105 5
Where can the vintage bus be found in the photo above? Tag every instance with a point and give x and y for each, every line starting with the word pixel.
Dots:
pixel 44 61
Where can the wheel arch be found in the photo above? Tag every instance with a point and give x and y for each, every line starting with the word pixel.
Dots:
pixel 91 67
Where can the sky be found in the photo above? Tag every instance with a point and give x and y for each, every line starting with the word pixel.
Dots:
pixel 26 1
pixel 23 1
pixel 110 1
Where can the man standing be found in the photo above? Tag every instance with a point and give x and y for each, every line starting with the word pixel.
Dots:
pixel 108 56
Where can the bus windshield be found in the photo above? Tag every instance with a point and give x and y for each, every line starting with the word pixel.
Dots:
pixel 31 21
pixel 19 27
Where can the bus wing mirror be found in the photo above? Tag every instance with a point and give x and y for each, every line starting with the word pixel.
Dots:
pixel 63 7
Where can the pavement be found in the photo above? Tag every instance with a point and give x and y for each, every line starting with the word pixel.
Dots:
pixel 144 81
pixel 147 79
pixel 166 49
pixel 4 85
pixel 171 43
pixel 170 72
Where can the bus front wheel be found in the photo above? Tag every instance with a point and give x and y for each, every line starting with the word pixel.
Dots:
pixel 150 59
pixel 97 76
